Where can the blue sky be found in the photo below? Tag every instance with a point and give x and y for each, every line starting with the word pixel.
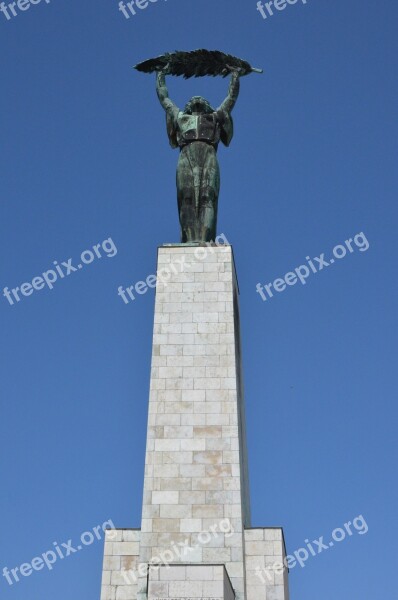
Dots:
pixel 313 163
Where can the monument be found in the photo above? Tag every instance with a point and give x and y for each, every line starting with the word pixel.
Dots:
pixel 196 539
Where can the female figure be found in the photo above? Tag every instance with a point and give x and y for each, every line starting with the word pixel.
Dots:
pixel 197 131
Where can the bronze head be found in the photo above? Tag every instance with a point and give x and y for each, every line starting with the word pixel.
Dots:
pixel 198 105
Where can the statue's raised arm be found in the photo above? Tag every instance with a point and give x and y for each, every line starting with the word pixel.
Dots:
pixel 171 109
pixel 163 93
pixel 233 93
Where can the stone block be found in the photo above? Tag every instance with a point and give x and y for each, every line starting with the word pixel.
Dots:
pixel 175 483
pixel 111 563
pixel 113 535
pixel 200 573
pixel 207 511
pixel 197 445
pixel 190 525
pixel 185 589
pixel 125 548
pixel 176 511
pixel 106 578
pixel 164 498
pixel 216 555
pixel 108 592
pixel 166 525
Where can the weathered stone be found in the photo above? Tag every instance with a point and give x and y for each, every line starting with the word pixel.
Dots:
pixel 195 503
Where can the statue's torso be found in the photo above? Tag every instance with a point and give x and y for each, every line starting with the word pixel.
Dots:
pixel 204 128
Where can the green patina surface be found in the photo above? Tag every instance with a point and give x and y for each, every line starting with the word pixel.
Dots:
pixel 197 131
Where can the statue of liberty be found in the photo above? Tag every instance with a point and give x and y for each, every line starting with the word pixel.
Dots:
pixel 197 131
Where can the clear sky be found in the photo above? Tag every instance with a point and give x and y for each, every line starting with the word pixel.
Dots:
pixel 85 158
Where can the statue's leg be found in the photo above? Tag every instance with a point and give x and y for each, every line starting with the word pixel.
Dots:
pixel 209 192
pixel 186 197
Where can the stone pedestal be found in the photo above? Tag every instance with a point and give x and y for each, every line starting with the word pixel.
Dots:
pixel 196 511
pixel 196 466
pixel 188 582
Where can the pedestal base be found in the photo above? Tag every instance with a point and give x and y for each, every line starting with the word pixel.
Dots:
pixel 196 510
pixel 186 582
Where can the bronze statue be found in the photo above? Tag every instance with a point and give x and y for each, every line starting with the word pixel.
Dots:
pixel 197 130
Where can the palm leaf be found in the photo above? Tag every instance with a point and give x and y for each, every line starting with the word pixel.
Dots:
pixel 197 63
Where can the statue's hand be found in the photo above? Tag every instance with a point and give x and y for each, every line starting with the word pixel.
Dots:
pixel 235 70
pixel 165 69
